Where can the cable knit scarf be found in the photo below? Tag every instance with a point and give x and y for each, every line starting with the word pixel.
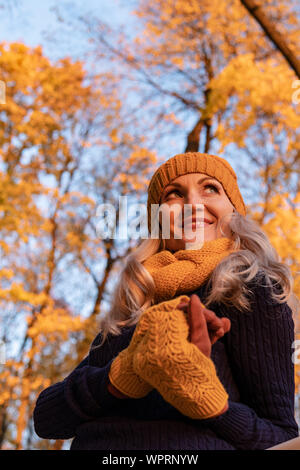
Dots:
pixel 185 270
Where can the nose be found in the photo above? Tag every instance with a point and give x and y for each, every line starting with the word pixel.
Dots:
pixel 194 202
pixel 193 195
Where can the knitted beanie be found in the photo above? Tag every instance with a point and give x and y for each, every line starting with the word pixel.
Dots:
pixel 195 162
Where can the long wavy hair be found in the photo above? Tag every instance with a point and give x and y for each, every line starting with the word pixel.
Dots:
pixel 253 253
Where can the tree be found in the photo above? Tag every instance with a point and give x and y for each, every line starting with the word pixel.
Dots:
pixel 63 152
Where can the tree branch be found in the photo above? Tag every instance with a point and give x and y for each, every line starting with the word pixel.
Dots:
pixel 273 34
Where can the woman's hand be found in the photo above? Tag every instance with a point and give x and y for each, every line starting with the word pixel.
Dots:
pixel 166 358
pixel 205 327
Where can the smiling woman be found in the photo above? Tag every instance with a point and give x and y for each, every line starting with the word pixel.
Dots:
pixel 196 351
pixel 199 192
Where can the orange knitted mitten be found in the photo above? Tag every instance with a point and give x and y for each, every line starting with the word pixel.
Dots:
pixel 182 374
pixel 122 375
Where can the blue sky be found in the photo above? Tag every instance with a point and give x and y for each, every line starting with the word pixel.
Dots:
pixel 30 21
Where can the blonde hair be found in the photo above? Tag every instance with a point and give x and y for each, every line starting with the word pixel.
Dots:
pixel 254 253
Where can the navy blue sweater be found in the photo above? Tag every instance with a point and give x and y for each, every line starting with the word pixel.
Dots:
pixel 253 361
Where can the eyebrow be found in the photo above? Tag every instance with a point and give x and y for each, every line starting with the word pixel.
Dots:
pixel 201 180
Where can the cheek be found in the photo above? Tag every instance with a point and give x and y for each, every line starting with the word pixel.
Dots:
pixel 223 206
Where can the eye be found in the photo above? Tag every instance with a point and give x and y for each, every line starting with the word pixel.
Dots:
pixel 212 186
pixel 173 191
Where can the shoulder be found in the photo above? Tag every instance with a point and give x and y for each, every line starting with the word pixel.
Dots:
pixel 262 287
pixel 260 293
pixel 111 339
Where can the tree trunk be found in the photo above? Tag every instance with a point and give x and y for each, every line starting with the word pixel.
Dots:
pixel 193 137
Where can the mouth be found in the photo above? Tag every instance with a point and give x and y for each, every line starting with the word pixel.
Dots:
pixel 194 223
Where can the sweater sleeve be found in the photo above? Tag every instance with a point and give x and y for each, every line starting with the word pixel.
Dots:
pixel 80 397
pixel 259 347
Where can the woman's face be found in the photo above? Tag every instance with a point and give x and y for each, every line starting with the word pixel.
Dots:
pixel 195 188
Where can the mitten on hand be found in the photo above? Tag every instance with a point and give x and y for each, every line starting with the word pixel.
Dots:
pixel 181 373
pixel 122 375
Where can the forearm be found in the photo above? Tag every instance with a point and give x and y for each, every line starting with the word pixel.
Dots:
pixel 242 427
pixel 52 417
pixel 82 396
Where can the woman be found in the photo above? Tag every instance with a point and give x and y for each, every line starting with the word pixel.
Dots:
pixel 167 373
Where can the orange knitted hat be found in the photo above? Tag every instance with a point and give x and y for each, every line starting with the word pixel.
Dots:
pixel 195 162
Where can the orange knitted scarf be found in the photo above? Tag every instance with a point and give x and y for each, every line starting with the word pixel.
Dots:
pixel 185 270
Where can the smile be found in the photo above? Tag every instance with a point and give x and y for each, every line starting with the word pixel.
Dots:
pixel 191 223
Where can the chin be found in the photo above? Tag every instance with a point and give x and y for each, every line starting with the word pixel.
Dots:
pixel 177 247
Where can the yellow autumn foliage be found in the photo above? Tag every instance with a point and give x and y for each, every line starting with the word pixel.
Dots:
pixel 68 144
